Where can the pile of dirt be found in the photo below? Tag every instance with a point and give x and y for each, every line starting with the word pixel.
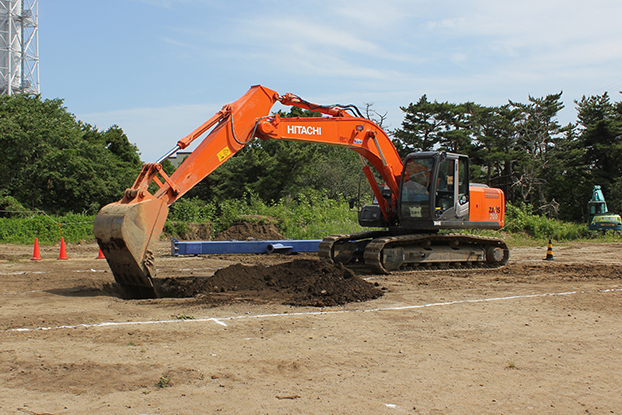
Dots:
pixel 262 229
pixel 188 231
pixel 302 282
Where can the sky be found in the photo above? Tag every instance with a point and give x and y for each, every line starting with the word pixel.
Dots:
pixel 160 68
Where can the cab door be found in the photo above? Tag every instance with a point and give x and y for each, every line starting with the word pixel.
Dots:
pixel 452 189
pixel 445 196
pixel 462 189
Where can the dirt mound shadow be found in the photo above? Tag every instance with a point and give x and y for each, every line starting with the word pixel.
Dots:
pixel 302 282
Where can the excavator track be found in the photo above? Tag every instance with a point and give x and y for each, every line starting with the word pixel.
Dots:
pixel 347 248
pixel 384 253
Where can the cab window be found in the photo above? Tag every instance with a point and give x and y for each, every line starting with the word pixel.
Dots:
pixel 415 202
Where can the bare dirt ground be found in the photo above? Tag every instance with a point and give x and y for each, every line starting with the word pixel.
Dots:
pixel 536 337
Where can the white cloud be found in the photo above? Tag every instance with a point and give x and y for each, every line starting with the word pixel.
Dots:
pixel 388 52
pixel 446 23
pixel 176 42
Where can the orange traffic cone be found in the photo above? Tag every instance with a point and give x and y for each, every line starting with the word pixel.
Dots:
pixel 549 252
pixel 101 255
pixel 63 251
pixel 36 255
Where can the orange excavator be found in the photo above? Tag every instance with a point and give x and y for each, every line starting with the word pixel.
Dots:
pixel 421 195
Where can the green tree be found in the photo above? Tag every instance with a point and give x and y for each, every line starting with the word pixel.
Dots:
pixel 58 164
pixel 437 125
pixel 567 176
pixel 422 126
pixel 536 129
pixel 600 124
pixel 495 132
pixel 520 148
pixel 614 201
pixel 600 135
pixel 270 169
pixel 337 172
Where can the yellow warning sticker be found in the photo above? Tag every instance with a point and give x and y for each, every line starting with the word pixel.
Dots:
pixel 224 153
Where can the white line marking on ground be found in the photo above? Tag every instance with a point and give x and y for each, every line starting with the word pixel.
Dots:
pixel 24 272
pixel 23 292
pixel 221 320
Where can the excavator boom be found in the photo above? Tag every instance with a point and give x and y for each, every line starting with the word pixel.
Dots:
pixel 127 230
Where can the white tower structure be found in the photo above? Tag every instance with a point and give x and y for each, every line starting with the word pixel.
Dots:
pixel 19 50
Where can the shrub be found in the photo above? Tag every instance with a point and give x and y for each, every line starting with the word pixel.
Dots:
pixel 10 207
pixel 192 210
pixel 520 218
pixel 47 229
pixel 309 215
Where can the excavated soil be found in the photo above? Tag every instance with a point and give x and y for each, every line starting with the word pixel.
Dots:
pixel 301 282
pixel 261 229
pixel 283 334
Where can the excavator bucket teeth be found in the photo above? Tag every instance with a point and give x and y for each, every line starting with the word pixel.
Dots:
pixel 126 234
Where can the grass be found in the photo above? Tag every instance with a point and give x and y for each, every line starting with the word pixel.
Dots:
pixel 521 219
pixel 164 382
pixel 306 216
pixel 48 229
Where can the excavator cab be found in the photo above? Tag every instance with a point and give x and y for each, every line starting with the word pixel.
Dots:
pixel 434 190
pixel 600 217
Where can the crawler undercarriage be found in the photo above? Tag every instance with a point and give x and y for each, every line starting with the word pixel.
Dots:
pixel 382 252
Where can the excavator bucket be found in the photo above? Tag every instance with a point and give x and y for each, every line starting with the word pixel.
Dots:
pixel 126 234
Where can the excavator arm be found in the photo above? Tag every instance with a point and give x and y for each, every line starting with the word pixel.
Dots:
pixel 127 230
pixel 358 134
